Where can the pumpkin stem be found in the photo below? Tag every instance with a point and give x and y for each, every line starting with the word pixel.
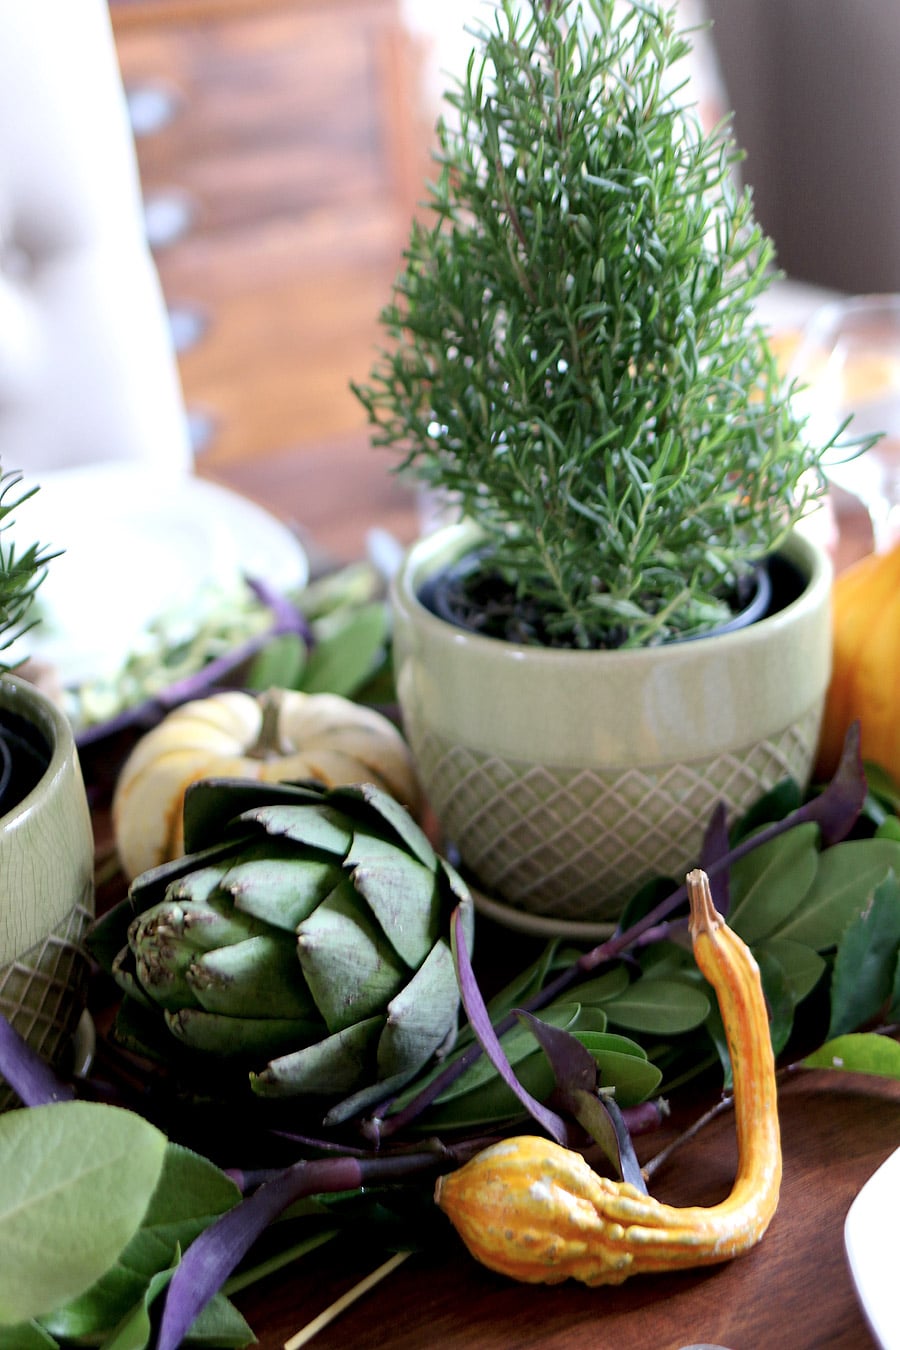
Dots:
pixel 268 742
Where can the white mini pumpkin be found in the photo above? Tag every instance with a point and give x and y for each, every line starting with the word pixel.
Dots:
pixel 280 736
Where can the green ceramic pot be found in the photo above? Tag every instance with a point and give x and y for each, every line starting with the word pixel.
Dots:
pixel 46 883
pixel 565 778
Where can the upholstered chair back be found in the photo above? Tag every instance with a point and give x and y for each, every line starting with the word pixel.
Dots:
pixel 87 368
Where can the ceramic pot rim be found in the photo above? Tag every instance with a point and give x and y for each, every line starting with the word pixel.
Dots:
pixel 20 697
pixel 644 706
pixel 427 555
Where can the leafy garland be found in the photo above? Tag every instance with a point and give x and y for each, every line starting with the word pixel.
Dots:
pixel 155 1230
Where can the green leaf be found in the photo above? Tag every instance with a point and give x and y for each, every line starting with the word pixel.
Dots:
pixel 135 1327
pixel 26 1336
pixel 341 662
pixel 601 988
pixel 633 1080
pixel 716 1029
pixel 75 1184
pixel 190 1194
pixel 770 883
pixel 779 999
pixel 802 967
pixel 660 1007
pixel 889 828
pixel 866 960
pixel 846 877
pixel 864 1052
pixel 280 664
pixel 894 1009
pixel 218 1326
pixel 883 785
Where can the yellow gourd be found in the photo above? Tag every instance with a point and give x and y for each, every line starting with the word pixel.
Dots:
pixel 537 1212
pixel 865 684
pixel 280 736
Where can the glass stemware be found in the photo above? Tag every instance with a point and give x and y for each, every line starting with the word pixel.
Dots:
pixel 847 370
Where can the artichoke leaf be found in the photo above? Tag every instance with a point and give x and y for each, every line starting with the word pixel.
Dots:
pixel 315 824
pixel 213 807
pixel 389 810
pixel 239 1037
pixel 337 1064
pixel 275 883
pixel 351 969
pixel 155 882
pixel 199 887
pixel 259 977
pixel 166 938
pixel 109 934
pixel 195 926
pixel 419 1015
pixel 403 895
pixel 122 969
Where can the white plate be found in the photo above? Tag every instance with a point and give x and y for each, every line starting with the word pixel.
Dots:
pixel 870 1238
pixel 139 545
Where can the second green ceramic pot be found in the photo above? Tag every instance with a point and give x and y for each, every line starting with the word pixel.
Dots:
pixel 46 885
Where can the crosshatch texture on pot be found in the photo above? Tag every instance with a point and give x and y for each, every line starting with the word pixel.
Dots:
pixel 43 992
pixel 576 843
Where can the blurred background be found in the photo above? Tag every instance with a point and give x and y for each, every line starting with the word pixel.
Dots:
pixel 284 144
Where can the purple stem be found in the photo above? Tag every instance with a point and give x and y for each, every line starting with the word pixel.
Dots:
pixel 25 1071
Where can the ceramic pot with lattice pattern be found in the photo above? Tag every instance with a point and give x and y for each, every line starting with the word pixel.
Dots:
pixel 46 876
pixel 568 778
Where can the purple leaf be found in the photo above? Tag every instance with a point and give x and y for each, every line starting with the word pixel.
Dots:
pixel 25 1071
pixel 213 1256
pixel 480 1022
pixel 577 1088
pixel 572 1063
pixel 836 809
pixel 713 848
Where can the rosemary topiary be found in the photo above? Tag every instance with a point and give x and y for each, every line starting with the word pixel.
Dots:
pixel 21 573
pixel 573 352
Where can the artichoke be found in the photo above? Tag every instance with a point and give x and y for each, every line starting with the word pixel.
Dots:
pixel 303 938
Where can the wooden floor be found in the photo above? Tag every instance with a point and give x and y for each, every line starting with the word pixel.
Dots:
pixel 299 145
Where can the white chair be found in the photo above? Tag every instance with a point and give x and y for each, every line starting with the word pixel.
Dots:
pixel 87 368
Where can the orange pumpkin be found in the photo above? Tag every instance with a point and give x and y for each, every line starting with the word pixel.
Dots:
pixel 865 677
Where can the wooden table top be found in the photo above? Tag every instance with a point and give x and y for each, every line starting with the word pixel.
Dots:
pixel 794 1290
